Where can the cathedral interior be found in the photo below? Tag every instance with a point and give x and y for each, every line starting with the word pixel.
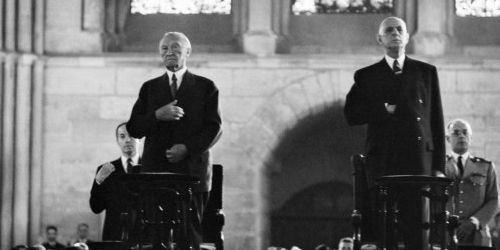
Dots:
pixel 71 70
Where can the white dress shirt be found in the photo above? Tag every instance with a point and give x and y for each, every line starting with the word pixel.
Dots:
pixel 390 61
pixel 135 161
pixel 465 156
pixel 179 74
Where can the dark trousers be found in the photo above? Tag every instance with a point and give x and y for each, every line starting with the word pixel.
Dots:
pixel 198 203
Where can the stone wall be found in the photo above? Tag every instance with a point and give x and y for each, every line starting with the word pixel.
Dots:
pixel 261 99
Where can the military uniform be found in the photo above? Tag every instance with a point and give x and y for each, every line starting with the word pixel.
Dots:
pixel 475 194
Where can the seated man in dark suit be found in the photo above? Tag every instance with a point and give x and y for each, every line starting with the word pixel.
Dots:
pixel 52 243
pixel 107 193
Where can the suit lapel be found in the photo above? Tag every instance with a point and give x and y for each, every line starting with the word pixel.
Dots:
pixel 409 70
pixel 384 67
pixel 187 82
pixel 165 89
pixel 118 167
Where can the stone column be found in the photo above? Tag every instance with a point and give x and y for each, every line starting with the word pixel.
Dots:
pixel 281 23
pixel 259 39
pixel 25 26
pixel 21 93
pixel 7 159
pixel 35 211
pixel 10 25
pixel 2 16
pixel 22 123
pixel 39 27
pixel 431 37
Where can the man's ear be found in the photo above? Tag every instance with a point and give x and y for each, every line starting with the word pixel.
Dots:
pixel 447 138
pixel 378 37
pixel 188 52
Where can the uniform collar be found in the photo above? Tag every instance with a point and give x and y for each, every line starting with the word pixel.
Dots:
pixel 465 156
pixel 389 60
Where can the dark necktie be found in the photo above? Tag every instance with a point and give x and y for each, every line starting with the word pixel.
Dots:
pixel 460 166
pixel 396 67
pixel 129 166
pixel 173 86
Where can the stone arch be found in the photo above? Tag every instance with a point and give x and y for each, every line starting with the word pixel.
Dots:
pixel 317 93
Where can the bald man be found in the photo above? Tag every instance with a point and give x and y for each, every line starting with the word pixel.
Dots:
pixel 399 100
pixel 475 193
pixel 178 113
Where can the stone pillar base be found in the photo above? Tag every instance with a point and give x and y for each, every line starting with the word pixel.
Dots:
pixel 259 42
pixel 430 43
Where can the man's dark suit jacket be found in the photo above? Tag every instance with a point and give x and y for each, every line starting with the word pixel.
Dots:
pixel 199 129
pixel 113 197
pixel 411 141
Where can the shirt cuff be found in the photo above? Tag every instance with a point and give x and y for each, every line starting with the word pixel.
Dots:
pixel 476 222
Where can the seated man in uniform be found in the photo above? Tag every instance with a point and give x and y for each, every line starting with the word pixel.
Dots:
pixel 475 193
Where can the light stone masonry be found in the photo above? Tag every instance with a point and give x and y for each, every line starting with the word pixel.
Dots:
pixel 261 101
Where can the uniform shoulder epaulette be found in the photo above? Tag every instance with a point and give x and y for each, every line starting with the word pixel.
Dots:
pixel 479 159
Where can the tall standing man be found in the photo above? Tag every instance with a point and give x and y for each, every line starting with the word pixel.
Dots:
pixel 475 194
pixel 107 192
pixel 399 99
pixel 178 113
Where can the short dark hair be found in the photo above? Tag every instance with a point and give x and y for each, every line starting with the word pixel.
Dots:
pixel 51 227
pixel 119 126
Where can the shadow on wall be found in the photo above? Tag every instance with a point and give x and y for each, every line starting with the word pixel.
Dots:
pixel 310 181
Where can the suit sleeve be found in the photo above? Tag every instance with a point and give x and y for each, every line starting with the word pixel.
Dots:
pixel 98 196
pixel 360 107
pixel 211 131
pixel 437 125
pixel 490 206
pixel 142 120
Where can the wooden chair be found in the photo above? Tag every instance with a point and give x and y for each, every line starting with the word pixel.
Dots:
pixel 213 217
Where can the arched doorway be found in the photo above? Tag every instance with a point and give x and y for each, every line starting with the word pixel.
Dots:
pixel 310 183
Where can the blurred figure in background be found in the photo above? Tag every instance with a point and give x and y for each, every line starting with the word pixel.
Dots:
pixel 82 234
pixel 81 245
pixel 322 247
pixel 495 232
pixel 52 243
pixel 37 247
pixel 345 244
pixel 20 247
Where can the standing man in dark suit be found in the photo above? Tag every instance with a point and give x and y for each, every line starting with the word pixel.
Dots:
pixel 399 99
pixel 107 193
pixel 178 113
